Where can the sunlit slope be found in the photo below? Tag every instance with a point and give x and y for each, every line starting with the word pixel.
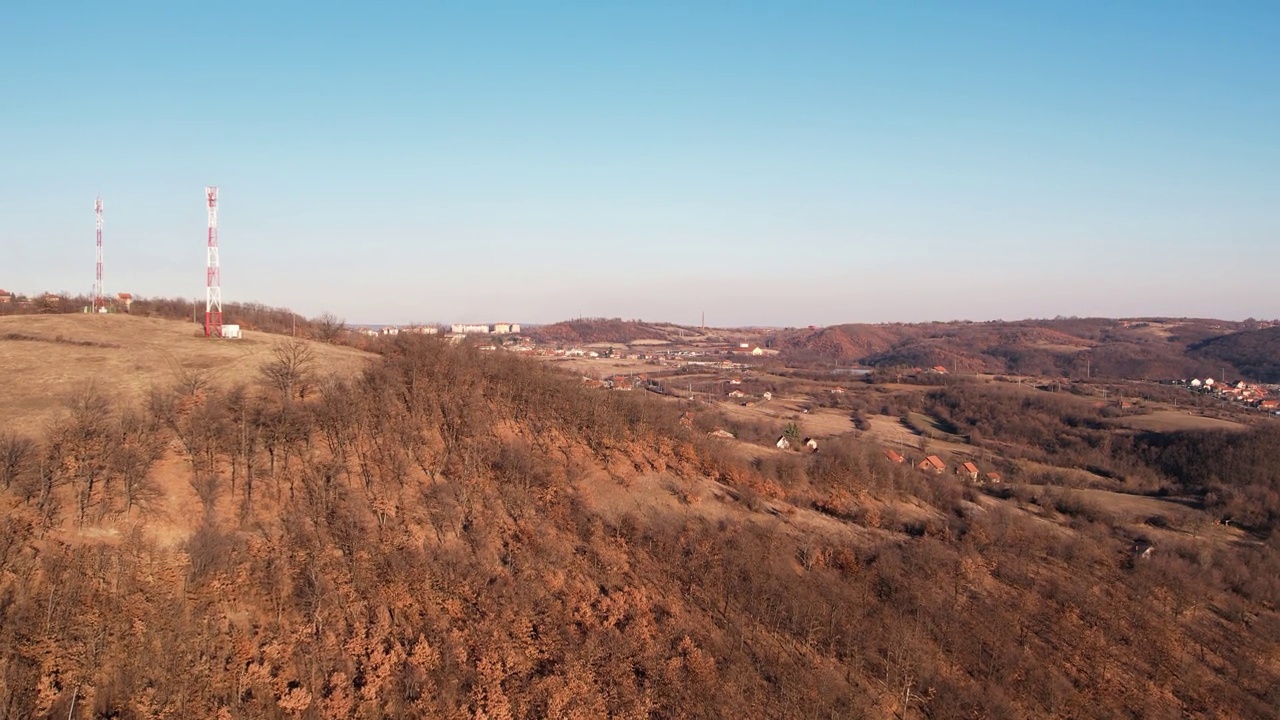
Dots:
pixel 45 358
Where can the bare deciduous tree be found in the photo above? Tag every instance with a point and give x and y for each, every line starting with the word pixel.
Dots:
pixel 17 458
pixel 291 371
pixel 328 327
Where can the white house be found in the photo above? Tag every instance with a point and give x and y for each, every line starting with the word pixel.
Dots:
pixel 463 329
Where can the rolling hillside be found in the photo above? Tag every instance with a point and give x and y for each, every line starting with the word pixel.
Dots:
pixel 1139 349
pixel 1255 353
pixel 444 532
pixel 1142 348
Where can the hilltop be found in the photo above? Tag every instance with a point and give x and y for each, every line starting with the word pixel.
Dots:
pixel 48 357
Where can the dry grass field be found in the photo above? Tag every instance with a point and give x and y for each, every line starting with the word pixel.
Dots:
pixel 1175 420
pixel 818 422
pixel 44 358
pixel 600 368
pixel 890 431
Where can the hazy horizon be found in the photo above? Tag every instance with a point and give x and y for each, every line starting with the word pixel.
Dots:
pixel 785 166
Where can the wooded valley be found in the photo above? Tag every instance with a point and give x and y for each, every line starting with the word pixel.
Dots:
pixel 467 535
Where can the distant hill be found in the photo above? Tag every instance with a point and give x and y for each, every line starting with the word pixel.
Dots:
pixel 1137 348
pixel 841 342
pixel 1255 353
pixel 592 330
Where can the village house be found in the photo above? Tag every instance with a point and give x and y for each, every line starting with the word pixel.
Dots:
pixel 932 464
pixel 893 456
pixel 993 478
pixel 6 297
pixel 783 443
pixel 811 444
pixel 969 470
pixel 1269 405
pixel 736 394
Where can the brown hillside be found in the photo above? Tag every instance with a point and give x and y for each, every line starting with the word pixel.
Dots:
pixel 846 343
pixel 1256 353
pixel 1150 349
pixel 595 330
pixel 456 534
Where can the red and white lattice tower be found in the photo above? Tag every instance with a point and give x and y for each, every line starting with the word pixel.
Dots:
pixel 213 275
pixel 98 302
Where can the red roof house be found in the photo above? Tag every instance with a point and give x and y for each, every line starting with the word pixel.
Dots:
pixel 933 464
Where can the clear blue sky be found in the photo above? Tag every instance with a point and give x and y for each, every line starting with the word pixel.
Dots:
pixel 785 163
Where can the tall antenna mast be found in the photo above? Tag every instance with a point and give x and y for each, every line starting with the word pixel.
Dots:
pixel 213 276
pixel 98 302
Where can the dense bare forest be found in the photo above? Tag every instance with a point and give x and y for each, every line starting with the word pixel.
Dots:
pixel 1255 352
pixel 469 535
